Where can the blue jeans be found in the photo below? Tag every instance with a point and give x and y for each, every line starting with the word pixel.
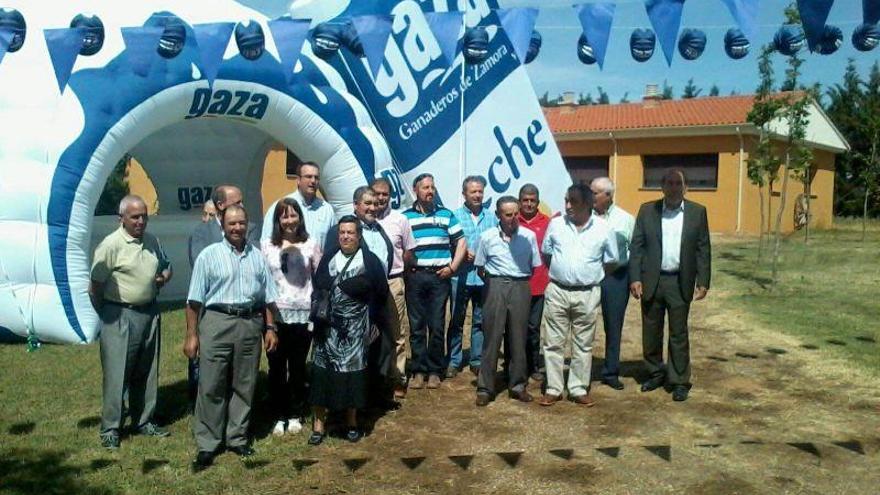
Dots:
pixel 461 295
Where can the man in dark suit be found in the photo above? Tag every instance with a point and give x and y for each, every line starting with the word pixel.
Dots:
pixel 670 255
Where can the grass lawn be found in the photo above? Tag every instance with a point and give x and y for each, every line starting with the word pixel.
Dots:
pixel 827 291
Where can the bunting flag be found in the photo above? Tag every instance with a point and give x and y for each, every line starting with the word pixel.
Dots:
pixel 518 24
pixel 871 11
pixel 289 35
pixel 140 47
pixel 5 40
pixel 745 13
pixel 373 31
pixel 596 21
pixel 814 13
pixel 212 39
pixel 665 16
pixel 64 45
pixel 447 28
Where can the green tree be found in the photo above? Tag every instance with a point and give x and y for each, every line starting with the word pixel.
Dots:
pixel 714 90
pixel 667 93
pixel 586 100
pixel 625 98
pixel 115 189
pixel 691 90
pixel 603 97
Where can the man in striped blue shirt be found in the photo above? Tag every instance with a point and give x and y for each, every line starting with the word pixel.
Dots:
pixel 440 251
pixel 467 286
pixel 231 281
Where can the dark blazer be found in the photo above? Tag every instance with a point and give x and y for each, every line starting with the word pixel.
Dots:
pixel 646 249
pixel 331 243
pixel 207 233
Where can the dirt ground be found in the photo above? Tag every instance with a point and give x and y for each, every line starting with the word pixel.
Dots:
pixel 766 415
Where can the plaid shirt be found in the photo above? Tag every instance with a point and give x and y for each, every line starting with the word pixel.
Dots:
pixel 472 228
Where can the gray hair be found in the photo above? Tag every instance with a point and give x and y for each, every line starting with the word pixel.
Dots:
pixel 360 192
pixel 529 189
pixel 604 184
pixel 504 200
pixel 130 200
pixel 479 179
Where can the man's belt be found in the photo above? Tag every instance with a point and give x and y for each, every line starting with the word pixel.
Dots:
pixel 507 277
pixel 395 275
pixel 430 269
pixel 237 310
pixel 669 272
pixel 573 287
pixel 136 307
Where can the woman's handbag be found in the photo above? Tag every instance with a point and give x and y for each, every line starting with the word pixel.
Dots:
pixel 321 307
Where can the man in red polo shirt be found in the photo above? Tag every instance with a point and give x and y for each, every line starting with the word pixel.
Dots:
pixel 537 222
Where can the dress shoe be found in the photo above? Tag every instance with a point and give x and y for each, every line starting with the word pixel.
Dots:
pixel 537 376
pixel 475 370
pixel 679 393
pixel 451 372
pixel 202 461
pixel 110 440
pixel 549 400
pixel 417 382
pixel 584 400
pixel 522 396
pixel 653 384
pixel 483 400
pixel 353 435
pixel 242 450
pixel 614 383
pixel 433 382
pixel 316 438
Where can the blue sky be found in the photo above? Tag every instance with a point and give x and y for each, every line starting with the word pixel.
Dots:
pixel 558 69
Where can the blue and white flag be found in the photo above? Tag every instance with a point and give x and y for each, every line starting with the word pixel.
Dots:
pixel 665 16
pixel 140 47
pixel 596 19
pixel 814 13
pixel 518 24
pixel 289 35
pixel 373 31
pixel 745 13
pixel 447 28
pixel 64 45
pixel 212 39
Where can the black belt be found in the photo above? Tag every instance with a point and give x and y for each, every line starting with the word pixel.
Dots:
pixel 136 307
pixel 574 287
pixel 396 275
pixel 506 277
pixel 668 272
pixel 430 269
pixel 235 310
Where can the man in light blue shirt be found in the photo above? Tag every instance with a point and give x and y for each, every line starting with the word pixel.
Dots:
pixel 615 285
pixel 318 214
pixel 467 287
pixel 579 247
pixel 505 258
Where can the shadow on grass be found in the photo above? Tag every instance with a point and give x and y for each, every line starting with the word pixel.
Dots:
pixel 22 428
pixel 745 276
pixel 173 403
pixel 45 472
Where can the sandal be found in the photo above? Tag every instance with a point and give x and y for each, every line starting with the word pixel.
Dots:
pixel 316 438
pixel 354 435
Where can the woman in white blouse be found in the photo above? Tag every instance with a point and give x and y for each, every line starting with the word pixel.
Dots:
pixel 292 257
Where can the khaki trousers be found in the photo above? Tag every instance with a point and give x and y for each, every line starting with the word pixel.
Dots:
pixel 574 313
pixel 397 317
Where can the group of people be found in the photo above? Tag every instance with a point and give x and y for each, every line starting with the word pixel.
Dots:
pixel 338 303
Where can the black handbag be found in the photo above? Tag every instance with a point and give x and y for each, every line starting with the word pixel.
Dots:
pixel 321 307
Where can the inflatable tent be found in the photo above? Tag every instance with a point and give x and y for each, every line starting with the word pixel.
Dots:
pixel 419 113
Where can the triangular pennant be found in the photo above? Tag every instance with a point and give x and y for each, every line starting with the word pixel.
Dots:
pixel 596 21
pixel 447 28
pixel 212 39
pixel 807 447
pixel 462 461
pixel 140 47
pixel 566 454
pixel 662 451
pixel 373 31
pixel 745 13
pixel 510 458
pixel 289 35
pixel 354 464
pixel 300 464
pixel 518 24
pixel 5 39
pixel 610 451
pixel 412 462
pixel 871 11
pixel 814 13
pixel 665 16
pixel 64 45
pixel 852 445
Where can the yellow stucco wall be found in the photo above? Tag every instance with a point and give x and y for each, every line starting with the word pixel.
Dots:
pixel 722 202
pixel 139 183
pixel 276 183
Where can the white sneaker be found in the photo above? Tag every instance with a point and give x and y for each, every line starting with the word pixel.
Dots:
pixel 279 428
pixel 294 426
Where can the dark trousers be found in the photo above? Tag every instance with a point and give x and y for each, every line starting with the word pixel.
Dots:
pixel 667 299
pixel 615 297
pixel 426 296
pixel 287 371
pixel 505 306
pixel 463 294
pixel 534 359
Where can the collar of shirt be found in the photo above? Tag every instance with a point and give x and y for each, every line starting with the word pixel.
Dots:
pixel 384 213
pixel 370 226
pixel 570 223
pixel 677 209
pixel 244 252
pixel 525 221
pixel 128 238
pixel 314 205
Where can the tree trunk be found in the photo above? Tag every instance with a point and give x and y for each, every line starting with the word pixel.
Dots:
pixel 808 192
pixel 865 211
pixel 777 231
pixel 761 225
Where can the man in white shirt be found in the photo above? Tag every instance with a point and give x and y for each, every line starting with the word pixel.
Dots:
pixel 579 247
pixel 615 285
pixel 319 215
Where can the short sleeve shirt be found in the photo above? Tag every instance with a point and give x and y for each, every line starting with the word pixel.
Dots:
pixel 127 267
pixel 222 275
pixel 400 234
pixel 472 226
pixel 436 234
pixel 577 256
pixel 515 257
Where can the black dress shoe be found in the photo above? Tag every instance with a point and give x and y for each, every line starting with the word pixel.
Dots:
pixel 523 396
pixel 653 384
pixel 202 461
pixel 614 383
pixel 483 400
pixel 679 393
pixel 242 450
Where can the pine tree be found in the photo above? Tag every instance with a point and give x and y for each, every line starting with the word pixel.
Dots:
pixel 115 189
pixel 603 97
pixel 714 90
pixel 691 90
pixel 667 93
